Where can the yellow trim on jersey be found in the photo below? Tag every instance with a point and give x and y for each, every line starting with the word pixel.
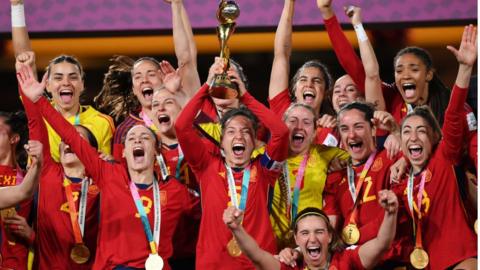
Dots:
pixel 99 124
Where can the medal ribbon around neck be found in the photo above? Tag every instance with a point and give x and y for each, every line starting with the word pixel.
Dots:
pixel 416 222
pixel 292 204
pixel 77 218
pixel 354 191
pixel 163 165
pixel 148 122
pixel 153 240
pixel 233 190
pixel 19 175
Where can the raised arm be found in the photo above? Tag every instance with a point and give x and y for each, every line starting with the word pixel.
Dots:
pixel 373 83
pixel 185 48
pixel 20 38
pixel 33 90
pixel 260 258
pixel 343 49
pixel 13 195
pixel 36 127
pixel 275 149
pixel 371 252
pixel 282 51
pixel 192 146
pixel 454 121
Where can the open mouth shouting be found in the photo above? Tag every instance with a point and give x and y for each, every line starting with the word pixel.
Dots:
pixel 147 93
pixel 415 151
pixel 297 139
pixel 238 149
pixel 314 252
pixel 138 154
pixel 409 89
pixel 66 95
pixel 163 119
pixel 308 96
pixel 355 146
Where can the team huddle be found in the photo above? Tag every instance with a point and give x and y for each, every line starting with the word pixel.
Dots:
pixel 352 173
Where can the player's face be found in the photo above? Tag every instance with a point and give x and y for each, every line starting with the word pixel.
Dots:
pixel 145 78
pixel 238 141
pixel 417 137
pixel 65 84
pixel 300 123
pixel 356 134
pixel 344 91
pixel 67 156
pixel 310 87
pixel 411 78
pixel 140 148
pixel 165 109
pixel 313 239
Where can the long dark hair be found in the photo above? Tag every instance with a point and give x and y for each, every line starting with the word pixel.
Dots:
pixel 438 93
pixel 116 97
pixel 17 122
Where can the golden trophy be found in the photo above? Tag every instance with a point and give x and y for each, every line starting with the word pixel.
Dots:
pixel 227 13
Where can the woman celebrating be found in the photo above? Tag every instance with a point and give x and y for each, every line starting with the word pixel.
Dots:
pixel 133 201
pixel 431 191
pixel 320 246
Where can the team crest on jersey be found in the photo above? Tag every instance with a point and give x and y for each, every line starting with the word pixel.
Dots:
pixel 93 190
pixel 377 164
pixel 222 174
pixel 163 198
pixel 428 176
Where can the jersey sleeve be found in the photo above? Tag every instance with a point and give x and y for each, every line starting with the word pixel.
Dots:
pixel 86 153
pixel 330 206
pixel 452 142
pixel 194 150
pixel 37 129
pixel 276 151
pixel 345 53
pixel 280 103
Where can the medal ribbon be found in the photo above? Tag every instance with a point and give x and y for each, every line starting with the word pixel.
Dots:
pixel 421 188
pixel 179 162
pixel 148 122
pixel 163 167
pixel 354 191
pixel 143 215
pixel 233 190
pixel 409 107
pixel 292 204
pixel 19 176
pixel 77 219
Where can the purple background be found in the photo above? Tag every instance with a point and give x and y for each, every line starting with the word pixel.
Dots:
pixel 106 15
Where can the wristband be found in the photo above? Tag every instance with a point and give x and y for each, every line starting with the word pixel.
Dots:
pixel 18 15
pixel 361 34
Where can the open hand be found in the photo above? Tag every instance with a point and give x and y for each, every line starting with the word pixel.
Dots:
pixel 29 85
pixel 467 53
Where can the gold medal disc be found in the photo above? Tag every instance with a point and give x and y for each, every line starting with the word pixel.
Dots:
pixel 350 234
pixel 419 258
pixel 80 254
pixel 233 248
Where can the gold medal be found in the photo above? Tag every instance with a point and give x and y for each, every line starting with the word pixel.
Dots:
pixel 233 248
pixel 419 258
pixel 80 253
pixel 475 226
pixel 8 212
pixel 350 234
pixel 154 262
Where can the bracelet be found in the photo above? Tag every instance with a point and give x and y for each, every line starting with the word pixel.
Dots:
pixel 361 34
pixel 18 15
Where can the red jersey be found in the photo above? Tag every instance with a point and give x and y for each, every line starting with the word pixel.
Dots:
pixel 54 233
pixel 186 234
pixel 344 260
pixel 121 238
pixel 211 174
pixel 446 235
pixel 14 251
pixel 395 105
pixel 326 136
pixel 339 202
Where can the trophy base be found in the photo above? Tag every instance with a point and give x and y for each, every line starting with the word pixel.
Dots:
pixel 223 88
